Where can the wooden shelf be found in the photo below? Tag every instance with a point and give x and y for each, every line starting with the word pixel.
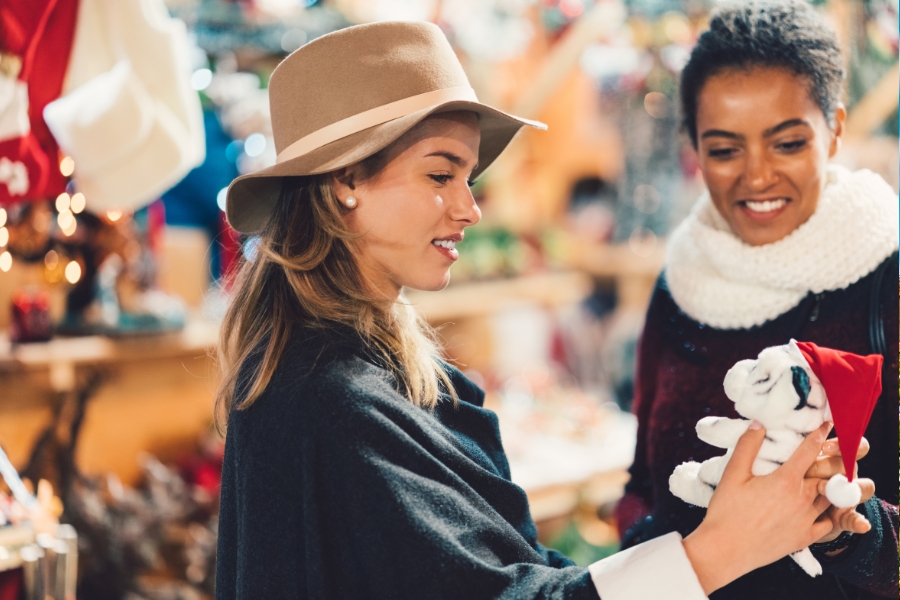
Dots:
pixel 198 336
pixel 616 260
pixel 484 297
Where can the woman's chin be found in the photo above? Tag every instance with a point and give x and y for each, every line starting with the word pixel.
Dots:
pixel 434 284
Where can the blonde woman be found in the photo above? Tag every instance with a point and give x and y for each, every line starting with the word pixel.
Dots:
pixel 357 463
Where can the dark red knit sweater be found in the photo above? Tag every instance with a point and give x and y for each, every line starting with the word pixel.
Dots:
pixel 681 366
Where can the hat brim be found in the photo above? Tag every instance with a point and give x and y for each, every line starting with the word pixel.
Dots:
pixel 251 198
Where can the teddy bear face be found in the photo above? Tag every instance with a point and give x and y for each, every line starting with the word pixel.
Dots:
pixel 773 388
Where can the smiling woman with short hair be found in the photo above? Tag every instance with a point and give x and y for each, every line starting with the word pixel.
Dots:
pixel 782 245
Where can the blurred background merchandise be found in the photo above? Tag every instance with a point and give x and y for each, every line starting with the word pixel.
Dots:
pixel 115 151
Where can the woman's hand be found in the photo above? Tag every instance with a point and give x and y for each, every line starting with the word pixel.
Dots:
pixel 829 463
pixel 753 521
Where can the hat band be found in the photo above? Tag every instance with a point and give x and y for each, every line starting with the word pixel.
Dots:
pixel 375 116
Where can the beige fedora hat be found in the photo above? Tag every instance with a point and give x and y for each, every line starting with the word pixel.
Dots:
pixel 348 94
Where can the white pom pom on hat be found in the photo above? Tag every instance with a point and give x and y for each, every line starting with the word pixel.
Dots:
pixel 843 493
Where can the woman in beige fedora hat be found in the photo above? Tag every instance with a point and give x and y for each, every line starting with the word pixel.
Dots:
pixel 358 464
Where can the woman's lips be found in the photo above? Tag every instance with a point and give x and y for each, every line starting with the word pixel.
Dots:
pixel 762 211
pixel 447 247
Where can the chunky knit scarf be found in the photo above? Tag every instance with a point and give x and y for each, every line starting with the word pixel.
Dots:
pixel 719 280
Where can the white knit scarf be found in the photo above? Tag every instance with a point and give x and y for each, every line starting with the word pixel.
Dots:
pixel 721 281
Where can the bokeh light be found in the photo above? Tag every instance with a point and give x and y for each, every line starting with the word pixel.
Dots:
pixel 5 261
pixel 221 197
pixel 51 260
pixel 657 105
pixel 255 144
pixel 201 79
pixel 642 241
pixel 78 203
pixel 65 219
pixel 62 202
pixel 70 227
pixel 646 199
pixel 67 166
pixel 73 272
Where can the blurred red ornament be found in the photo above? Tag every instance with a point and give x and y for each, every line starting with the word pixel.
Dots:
pixel 30 317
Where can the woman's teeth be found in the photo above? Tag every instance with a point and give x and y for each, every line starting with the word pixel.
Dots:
pixel 448 244
pixel 766 205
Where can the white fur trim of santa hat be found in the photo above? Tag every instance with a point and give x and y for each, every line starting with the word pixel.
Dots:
pixel 129 117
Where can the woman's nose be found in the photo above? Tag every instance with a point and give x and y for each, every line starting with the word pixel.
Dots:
pixel 759 173
pixel 464 208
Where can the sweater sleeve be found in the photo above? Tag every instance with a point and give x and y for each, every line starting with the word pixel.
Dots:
pixel 637 503
pixel 871 563
pixel 410 527
pixel 413 529
pixel 351 492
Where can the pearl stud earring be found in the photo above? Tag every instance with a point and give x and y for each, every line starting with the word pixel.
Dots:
pixel 350 202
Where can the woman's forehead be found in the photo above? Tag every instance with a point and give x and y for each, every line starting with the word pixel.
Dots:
pixel 754 99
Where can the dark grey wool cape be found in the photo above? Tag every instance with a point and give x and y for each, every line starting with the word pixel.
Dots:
pixel 335 486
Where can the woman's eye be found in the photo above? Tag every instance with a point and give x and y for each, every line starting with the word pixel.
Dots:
pixel 792 146
pixel 441 179
pixel 721 152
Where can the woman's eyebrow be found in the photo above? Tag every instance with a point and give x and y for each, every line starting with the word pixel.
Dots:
pixel 456 160
pixel 785 125
pixel 721 133
pixel 768 132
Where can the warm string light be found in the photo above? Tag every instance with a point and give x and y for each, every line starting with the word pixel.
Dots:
pixel 62 202
pixel 73 272
pixel 51 260
pixel 67 166
pixel 67 205
pixel 5 261
pixel 52 273
pixel 114 215
pixel 70 228
pixel 77 203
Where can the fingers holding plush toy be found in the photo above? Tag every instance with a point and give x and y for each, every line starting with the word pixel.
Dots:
pixel 753 520
pixel 791 391
pixel 829 464
pixel 847 519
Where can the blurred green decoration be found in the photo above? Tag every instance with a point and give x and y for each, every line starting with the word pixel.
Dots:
pixel 571 543
pixel 872 52
pixel 490 253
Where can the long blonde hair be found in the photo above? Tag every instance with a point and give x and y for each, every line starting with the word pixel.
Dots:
pixel 304 274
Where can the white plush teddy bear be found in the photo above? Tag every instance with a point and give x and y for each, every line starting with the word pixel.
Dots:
pixel 779 390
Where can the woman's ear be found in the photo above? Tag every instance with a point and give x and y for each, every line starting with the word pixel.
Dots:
pixel 342 182
pixel 837 132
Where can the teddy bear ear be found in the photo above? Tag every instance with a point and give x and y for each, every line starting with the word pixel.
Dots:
pixel 736 379
pixel 794 351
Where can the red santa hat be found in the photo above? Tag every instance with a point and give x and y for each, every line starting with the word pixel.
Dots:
pixel 35 41
pixel 853 386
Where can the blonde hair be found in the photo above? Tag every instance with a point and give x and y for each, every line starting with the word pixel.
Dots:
pixel 304 274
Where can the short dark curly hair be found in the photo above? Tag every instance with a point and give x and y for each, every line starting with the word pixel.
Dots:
pixel 787 34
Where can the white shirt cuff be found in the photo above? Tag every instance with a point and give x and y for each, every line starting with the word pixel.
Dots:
pixel 655 569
